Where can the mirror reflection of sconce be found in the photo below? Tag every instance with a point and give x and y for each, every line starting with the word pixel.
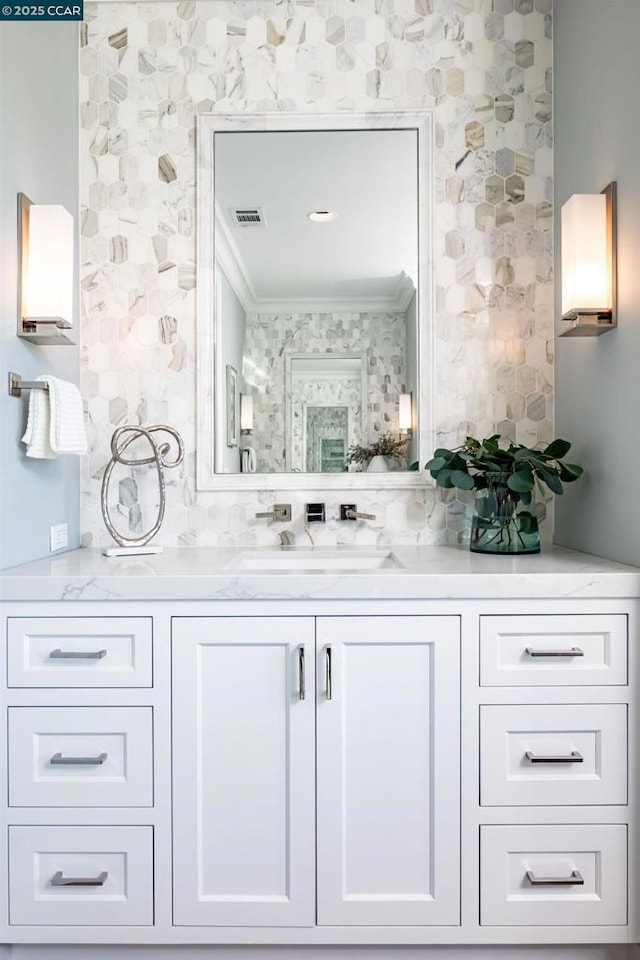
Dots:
pixel 45 272
pixel 405 414
pixel 246 413
pixel 589 263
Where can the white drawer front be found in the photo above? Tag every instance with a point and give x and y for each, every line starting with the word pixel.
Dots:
pixel 551 650
pixel 79 652
pixel 570 754
pixel 80 756
pixel 515 858
pixel 118 859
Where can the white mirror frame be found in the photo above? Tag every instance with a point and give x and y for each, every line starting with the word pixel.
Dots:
pixel 208 125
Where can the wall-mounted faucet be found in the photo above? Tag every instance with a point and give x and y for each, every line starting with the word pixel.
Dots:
pixel 287 538
pixel 280 512
pixel 349 511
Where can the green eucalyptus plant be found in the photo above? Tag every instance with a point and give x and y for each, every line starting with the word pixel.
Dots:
pixel 467 467
pixel 508 474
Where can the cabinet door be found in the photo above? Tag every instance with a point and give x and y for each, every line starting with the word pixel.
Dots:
pixel 388 770
pixel 243 763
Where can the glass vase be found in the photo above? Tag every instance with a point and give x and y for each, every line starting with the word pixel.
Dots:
pixel 504 521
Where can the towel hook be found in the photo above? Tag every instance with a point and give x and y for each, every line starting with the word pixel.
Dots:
pixel 17 385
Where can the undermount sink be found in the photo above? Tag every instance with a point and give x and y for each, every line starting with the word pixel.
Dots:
pixel 308 559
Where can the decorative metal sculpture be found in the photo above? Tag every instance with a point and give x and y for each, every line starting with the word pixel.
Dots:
pixel 122 438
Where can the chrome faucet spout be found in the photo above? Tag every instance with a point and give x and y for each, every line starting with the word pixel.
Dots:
pixel 287 539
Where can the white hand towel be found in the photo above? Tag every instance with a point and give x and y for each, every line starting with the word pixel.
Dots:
pixel 36 436
pixel 66 429
pixel 56 420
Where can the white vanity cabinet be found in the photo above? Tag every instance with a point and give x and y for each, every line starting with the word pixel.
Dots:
pixel 78 718
pixel 554 751
pixel 243 771
pixel 244 709
pixel 388 770
pixel 319 771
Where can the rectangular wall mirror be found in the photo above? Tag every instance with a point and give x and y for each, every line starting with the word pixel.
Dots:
pixel 315 288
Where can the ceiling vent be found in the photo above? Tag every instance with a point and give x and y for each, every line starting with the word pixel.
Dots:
pixel 248 217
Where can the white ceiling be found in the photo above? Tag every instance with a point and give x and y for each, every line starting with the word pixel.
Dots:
pixel 368 177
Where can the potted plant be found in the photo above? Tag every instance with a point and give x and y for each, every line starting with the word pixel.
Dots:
pixel 375 456
pixel 504 478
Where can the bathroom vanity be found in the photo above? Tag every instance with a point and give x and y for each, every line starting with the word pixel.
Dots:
pixel 411 746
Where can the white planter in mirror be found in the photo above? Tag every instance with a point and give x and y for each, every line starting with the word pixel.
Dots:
pixel 378 464
pixel 278 293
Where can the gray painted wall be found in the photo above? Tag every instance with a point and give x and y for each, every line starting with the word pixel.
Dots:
pixel 597 139
pixel 38 156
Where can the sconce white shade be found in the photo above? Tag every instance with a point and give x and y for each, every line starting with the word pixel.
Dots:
pixel 589 263
pixel 246 412
pixel 405 413
pixel 586 266
pixel 47 281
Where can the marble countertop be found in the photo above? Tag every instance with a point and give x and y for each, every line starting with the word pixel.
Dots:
pixel 202 573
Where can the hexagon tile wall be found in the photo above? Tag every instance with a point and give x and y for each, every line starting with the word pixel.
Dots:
pixel 148 69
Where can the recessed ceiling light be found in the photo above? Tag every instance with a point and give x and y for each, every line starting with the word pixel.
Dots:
pixel 322 216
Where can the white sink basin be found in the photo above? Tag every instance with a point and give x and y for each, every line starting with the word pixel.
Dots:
pixel 292 559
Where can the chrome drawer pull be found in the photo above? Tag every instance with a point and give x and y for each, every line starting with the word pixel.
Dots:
pixel 328 679
pixel 77 654
pixel 573 757
pixel 573 652
pixel 575 880
pixel 302 683
pixel 57 760
pixel 58 880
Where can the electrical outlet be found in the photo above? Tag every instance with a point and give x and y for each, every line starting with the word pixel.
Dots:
pixel 58 537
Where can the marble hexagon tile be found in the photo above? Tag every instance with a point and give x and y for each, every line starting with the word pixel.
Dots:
pixel 147 69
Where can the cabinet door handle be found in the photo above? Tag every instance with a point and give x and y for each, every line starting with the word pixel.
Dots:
pixel 573 757
pixel 58 880
pixel 327 673
pixel 573 652
pixel 77 654
pixel 57 760
pixel 302 680
pixel 575 880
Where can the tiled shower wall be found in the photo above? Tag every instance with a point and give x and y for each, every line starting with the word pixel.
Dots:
pixel 380 338
pixel 148 69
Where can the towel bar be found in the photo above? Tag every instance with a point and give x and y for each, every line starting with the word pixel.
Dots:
pixel 17 385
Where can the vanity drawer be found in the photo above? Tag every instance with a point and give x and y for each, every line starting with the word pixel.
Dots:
pixel 79 651
pixel 80 757
pixel 548 650
pixel 587 867
pixel 522 750
pixel 47 867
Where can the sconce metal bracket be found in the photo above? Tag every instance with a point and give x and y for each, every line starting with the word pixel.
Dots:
pixel 45 330
pixel 592 323
pixel 588 324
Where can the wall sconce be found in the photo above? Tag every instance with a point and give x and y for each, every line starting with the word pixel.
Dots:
pixel 405 414
pixel 246 413
pixel 45 272
pixel 589 267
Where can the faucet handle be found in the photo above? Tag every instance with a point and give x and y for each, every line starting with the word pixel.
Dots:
pixel 281 512
pixel 349 511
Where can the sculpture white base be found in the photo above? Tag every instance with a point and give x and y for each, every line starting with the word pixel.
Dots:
pixel 130 551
